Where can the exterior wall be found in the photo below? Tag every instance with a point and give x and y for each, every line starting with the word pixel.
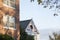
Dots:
pixel 14 12
pixel 32 31
pixel 29 30
pixel 36 37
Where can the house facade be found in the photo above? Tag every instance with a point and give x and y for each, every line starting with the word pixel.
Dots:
pixel 9 18
pixel 30 28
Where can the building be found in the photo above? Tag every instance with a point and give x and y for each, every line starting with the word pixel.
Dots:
pixel 29 27
pixel 9 18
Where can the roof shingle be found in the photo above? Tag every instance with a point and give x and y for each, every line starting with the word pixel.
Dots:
pixel 24 23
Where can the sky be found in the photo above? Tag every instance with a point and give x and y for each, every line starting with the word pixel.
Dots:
pixel 42 17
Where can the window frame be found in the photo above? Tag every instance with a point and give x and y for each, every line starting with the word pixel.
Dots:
pixel 9 3
pixel 31 26
pixel 8 26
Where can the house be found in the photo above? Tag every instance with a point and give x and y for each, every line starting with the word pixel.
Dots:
pixel 9 18
pixel 29 27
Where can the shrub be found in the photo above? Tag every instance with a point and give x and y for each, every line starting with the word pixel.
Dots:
pixel 5 37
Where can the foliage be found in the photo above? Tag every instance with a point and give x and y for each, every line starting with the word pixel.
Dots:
pixel 5 37
pixel 50 4
pixel 55 36
pixel 24 35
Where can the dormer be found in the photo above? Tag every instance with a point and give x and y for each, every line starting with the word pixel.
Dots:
pixel 29 27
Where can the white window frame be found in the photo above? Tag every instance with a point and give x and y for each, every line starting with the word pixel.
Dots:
pixel 8 3
pixel 8 26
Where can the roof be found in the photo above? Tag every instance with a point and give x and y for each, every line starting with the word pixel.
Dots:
pixel 24 23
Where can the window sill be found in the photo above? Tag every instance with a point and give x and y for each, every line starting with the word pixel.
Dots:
pixel 8 6
pixel 10 28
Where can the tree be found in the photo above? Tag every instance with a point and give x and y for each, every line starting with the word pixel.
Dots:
pixel 5 37
pixel 55 36
pixel 50 4
pixel 24 35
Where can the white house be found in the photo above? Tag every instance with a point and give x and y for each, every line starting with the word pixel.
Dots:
pixel 30 28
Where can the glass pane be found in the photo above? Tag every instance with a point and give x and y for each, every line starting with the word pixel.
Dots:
pixel 12 4
pixel 5 1
pixel 12 0
pixel 11 21
pixel 5 20
pixel 11 24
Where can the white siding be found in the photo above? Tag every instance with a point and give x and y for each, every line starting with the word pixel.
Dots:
pixel 32 31
pixel 29 30
pixel 37 37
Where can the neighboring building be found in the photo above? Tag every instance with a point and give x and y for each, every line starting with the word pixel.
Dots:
pixel 9 18
pixel 29 27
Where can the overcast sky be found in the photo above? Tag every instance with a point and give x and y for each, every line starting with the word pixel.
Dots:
pixel 42 17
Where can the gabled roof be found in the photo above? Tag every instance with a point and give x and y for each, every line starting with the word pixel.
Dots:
pixel 24 23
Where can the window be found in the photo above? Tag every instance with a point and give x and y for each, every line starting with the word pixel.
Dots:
pixel 28 29
pixel 5 2
pixel 12 0
pixel 10 3
pixel 31 26
pixel 9 21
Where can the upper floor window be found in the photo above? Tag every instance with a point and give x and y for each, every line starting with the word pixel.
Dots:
pixel 9 21
pixel 10 3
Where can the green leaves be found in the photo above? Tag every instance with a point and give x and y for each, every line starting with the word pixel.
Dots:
pixel 49 3
pixel 5 37
pixel 24 35
pixel 39 1
pixel 32 0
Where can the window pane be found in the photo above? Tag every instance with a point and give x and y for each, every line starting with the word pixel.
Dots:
pixel 11 21
pixel 5 1
pixel 8 2
pixel 31 26
pixel 12 4
pixel 12 0
pixel 11 24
